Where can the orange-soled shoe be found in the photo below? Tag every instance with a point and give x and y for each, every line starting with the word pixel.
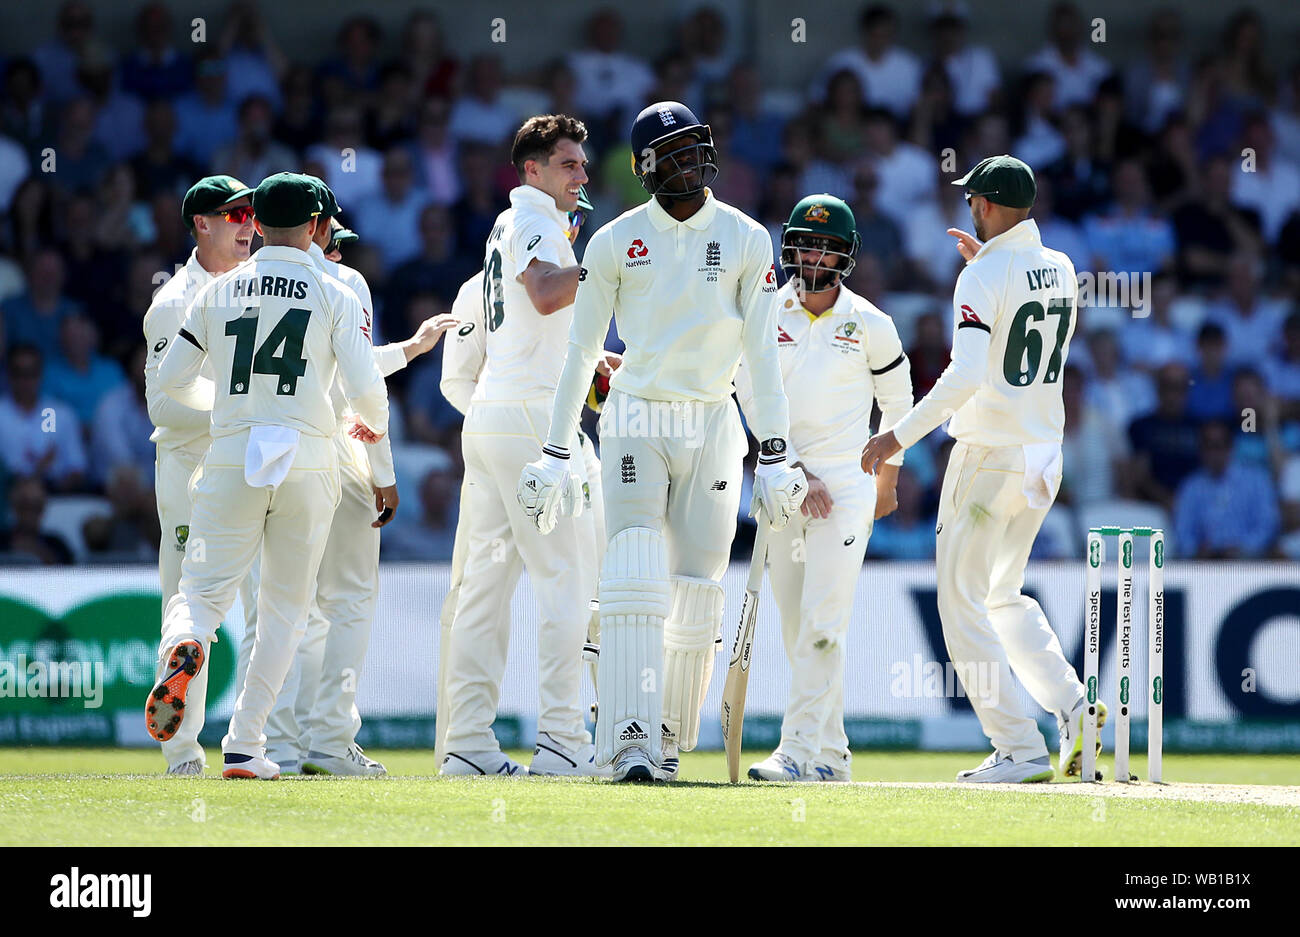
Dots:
pixel 249 768
pixel 166 707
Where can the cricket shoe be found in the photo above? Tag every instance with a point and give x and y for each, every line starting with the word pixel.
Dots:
pixel 633 766
pixel 672 760
pixel 1071 727
pixel 778 767
pixel 551 759
pixel 166 706
pixel 828 772
pixel 186 768
pixel 999 768
pixel 249 767
pixel 355 764
pixel 480 764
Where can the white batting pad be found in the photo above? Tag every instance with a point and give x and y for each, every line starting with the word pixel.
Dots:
pixel 690 645
pixel 634 594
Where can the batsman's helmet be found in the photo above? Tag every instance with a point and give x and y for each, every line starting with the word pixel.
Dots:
pixel 665 173
pixel 819 223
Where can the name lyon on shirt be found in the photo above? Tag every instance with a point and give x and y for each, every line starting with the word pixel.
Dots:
pixel 1046 278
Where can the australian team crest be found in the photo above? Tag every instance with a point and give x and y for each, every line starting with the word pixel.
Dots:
pixel 819 213
pixel 182 535
pixel 843 337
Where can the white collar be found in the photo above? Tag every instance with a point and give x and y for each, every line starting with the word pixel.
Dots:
pixel 538 200
pixel 1025 232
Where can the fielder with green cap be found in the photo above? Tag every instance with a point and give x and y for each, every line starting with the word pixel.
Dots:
pixel 1014 310
pixel 218 212
pixel 276 331
pixel 839 354
pixel 313 726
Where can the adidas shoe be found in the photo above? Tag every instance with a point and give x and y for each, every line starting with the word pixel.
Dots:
pixel 551 759
pixel 1000 768
pixel 633 766
pixel 249 767
pixel 186 768
pixel 778 767
pixel 354 764
pixel 480 764
pixel 166 706
pixel 1071 727
pixel 672 761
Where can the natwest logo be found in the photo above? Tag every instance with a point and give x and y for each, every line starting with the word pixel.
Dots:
pixel 637 255
pixel 771 274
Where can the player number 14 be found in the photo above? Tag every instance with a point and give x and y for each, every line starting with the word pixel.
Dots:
pixel 287 367
pixel 1024 352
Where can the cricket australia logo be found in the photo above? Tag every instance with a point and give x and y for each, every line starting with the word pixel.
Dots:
pixel 182 536
pixel 629 470
pixel 819 213
pixel 843 338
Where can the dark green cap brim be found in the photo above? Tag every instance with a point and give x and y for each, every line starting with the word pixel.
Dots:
pixel 209 194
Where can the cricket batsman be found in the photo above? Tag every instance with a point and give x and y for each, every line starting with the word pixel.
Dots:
pixel 219 214
pixel 690 281
pixel 1014 310
pixel 839 354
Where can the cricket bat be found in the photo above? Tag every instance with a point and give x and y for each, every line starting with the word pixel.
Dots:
pixel 733 691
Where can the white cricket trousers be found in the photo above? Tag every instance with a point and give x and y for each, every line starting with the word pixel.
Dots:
pixel 985 531
pixel 447 614
pixel 814 565
pixel 671 474
pixel 174 468
pixel 498 440
pixel 231 523
pixel 316 708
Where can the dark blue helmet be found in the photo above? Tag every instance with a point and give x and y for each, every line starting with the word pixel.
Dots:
pixel 667 173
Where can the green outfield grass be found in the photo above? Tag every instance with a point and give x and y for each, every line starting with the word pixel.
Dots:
pixel 51 796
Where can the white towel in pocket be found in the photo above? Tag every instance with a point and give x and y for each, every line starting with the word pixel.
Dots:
pixel 1042 473
pixel 269 456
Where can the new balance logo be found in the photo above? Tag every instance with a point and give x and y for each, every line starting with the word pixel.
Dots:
pixel 718 486
pixel 633 733
pixel 825 773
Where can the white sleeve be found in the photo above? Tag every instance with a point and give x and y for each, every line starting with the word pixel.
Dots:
pixel 161 324
pixel 382 471
pixel 464 352
pixel 178 373
pixel 362 383
pixel 771 410
pixel 891 376
pixel 597 296
pixel 535 237
pixel 390 358
pixel 974 307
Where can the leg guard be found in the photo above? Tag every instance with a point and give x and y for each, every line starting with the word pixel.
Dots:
pixel 691 637
pixel 634 596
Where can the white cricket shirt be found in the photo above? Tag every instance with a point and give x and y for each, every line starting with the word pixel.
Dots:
pixel 277 330
pixel 176 425
pixel 1014 311
pixel 525 349
pixel 833 367
pixel 689 297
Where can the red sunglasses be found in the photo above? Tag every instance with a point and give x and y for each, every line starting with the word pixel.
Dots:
pixel 236 215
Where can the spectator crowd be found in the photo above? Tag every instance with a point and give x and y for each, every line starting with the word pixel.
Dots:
pixel 1179 169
